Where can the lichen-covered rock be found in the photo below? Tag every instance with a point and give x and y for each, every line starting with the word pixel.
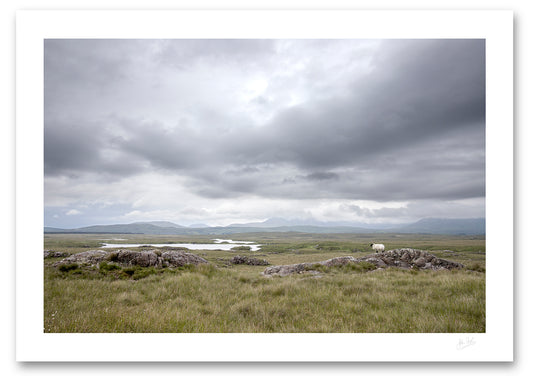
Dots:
pixel 420 262
pixel 338 261
pixel 376 261
pixel 235 260
pixel 127 257
pixel 180 258
pixel 88 257
pixel 405 258
pixel 48 253
pixel 409 258
pixel 283 270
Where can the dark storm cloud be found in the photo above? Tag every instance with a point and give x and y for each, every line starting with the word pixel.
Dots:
pixel 70 147
pixel 411 128
pixel 414 94
pixel 414 128
pixel 73 147
pixel 76 70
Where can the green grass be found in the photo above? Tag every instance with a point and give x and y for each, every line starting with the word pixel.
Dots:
pixel 220 298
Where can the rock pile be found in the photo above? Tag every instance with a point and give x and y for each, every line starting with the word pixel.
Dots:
pixel 48 253
pixel 87 258
pixel 408 258
pixel 247 260
pixel 180 258
pixel 284 270
pixel 128 257
pixel 405 258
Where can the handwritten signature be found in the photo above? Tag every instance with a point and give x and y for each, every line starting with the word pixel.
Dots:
pixel 464 343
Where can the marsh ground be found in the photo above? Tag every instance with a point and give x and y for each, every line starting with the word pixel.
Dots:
pixel 221 297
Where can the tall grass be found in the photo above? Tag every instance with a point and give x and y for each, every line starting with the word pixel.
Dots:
pixel 207 299
pixel 220 298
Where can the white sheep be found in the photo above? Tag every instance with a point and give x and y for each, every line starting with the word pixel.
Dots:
pixel 378 247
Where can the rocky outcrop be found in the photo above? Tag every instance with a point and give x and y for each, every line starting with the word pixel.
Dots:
pixel 49 253
pixel 126 257
pixel 339 261
pixel 180 258
pixel 84 258
pixel 405 258
pixel 409 258
pixel 283 270
pixel 235 260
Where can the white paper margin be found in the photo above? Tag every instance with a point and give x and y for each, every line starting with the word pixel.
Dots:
pixel 32 27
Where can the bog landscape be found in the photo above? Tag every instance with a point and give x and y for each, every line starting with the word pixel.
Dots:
pixel 264 185
pixel 294 282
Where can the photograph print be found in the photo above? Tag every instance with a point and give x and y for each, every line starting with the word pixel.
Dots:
pixel 264 186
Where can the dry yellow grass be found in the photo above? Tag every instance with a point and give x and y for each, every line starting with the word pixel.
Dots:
pixel 218 298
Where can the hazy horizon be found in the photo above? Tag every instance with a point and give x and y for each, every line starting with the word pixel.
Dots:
pixel 242 130
pixel 265 223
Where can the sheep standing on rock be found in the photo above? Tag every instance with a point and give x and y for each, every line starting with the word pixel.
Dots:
pixel 378 247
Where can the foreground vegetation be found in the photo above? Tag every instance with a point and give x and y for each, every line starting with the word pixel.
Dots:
pixel 221 297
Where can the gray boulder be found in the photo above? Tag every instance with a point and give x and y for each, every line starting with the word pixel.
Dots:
pixel 409 258
pixel 283 270
pixel 339 261
pixel 127 257
pixel 49 253
pixel 235 260
pixel 85 258
pixel 180 258
pixel 404 258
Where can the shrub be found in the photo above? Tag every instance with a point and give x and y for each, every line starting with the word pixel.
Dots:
pixel 186 267
pixel 105 267
pixel 143 273
pixel 137 272
pixel 241 248
pixel 364 266
pixel 477 267
pixel 129 271
pixel 316 267
pixel 68 267
pixel 206 269
pixel 113 256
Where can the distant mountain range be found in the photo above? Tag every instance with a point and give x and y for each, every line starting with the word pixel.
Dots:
pixel 470 226
pixel 444 226
pixel 160 224
pixel 282 222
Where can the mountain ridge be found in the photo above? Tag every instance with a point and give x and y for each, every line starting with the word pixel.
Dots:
pixel 445 226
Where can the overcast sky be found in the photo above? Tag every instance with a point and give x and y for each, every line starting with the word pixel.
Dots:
pixel 225 131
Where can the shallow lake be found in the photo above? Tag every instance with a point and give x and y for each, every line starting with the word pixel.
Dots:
pixel 219 244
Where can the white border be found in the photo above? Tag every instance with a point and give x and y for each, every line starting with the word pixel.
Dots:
pixel 34 26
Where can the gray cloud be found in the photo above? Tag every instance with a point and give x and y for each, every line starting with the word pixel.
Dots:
pixel 73 147
pixel 428 95
pixel 297 119
pixel 322 175
pixel 184 52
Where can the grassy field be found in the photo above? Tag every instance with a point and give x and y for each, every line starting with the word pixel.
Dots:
pixel 221 297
